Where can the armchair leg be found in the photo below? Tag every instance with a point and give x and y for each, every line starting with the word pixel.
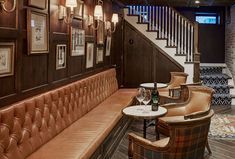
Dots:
pixel 208 147
pixel 130 149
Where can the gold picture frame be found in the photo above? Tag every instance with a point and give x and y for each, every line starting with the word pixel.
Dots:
pixel 41 4
pixel 108 46
pixel 7 54
pixel 89 54
pixel 61 52
pixel 79 10
pixel 37 32
pixel 99 55
pixel 77 41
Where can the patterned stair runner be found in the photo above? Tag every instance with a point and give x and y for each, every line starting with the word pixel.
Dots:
pixel 212 76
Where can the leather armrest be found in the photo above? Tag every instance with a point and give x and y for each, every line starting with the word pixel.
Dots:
pixel 196 115
pixel 146 143
pixel 173 105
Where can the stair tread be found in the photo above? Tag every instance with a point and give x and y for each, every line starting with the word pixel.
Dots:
pixel 221 75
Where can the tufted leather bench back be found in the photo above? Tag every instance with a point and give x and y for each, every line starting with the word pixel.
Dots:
pixel 27 125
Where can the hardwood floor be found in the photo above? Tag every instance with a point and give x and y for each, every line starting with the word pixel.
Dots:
pixel 221 149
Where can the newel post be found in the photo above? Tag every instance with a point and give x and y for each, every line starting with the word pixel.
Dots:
pixel 196 57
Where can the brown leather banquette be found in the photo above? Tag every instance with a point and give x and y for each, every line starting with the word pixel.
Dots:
pixel 67 123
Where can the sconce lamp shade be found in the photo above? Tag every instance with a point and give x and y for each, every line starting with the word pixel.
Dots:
pixel 71 3
pixel 98 13
pixel 115 18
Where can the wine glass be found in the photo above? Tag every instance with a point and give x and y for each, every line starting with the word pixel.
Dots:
pixel 140 94
pixel 147 97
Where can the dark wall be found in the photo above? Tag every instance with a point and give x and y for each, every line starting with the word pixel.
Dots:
pixel 35 74
pixel 143 61
pixel 211 37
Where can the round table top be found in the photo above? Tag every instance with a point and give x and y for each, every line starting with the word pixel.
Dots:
pixel 151 85
pixel 145 112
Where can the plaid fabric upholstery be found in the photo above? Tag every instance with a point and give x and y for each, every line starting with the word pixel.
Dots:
pixel 187 141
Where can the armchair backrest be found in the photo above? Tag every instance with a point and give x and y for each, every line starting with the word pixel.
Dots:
pixel 199 99
pixel 177 78
pixel 188 137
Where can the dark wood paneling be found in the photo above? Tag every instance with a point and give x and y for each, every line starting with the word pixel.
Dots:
pixel 144 61
pixel 138 54
pixel 36 74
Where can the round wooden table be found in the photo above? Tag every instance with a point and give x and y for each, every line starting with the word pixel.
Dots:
pixel 151 85
pixel 145 112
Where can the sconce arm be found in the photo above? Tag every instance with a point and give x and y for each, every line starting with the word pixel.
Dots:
pixel 2 2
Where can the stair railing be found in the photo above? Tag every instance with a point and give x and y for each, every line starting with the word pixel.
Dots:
pixel 179 32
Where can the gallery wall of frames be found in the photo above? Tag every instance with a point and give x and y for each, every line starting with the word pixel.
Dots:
pixel 40 51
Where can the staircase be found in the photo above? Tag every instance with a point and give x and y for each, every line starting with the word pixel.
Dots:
pixel 171 32
pixel 217 78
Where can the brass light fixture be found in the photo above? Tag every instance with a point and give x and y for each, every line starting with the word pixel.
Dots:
pixel 114 20
pixel 67 12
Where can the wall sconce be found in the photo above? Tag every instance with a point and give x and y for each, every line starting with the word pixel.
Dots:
pixel 114 20
pixel 3 2
pixel 98 16
pixel 67 12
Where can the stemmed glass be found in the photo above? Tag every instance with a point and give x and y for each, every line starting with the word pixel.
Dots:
pixel 147 97
pixel 140 94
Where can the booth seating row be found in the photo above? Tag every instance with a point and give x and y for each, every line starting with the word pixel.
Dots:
pixel 80 120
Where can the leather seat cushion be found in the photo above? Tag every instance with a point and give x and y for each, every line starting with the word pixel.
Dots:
pixel 82 138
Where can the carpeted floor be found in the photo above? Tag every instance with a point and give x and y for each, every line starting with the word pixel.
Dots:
pixel 222 127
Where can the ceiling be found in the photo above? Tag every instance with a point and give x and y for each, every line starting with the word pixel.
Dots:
pixel 186 3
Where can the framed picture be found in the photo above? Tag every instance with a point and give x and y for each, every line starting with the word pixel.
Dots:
pixel 108 46
pixel 42 4
pixel 89 54
pixel 61 52
pixel 7 53
pixel 77 41
pixel 100 33
pixel 99 54
pixel 78 11
pixel 38 32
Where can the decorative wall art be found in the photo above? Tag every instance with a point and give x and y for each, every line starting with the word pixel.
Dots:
pixel 99 54
pixel 7 53
pixel 89 54
pixel 61 52
pixel 100 33
pixel 77 41
pixel 78 11
pixel 108 46
pixel 42 4
pixel 38 32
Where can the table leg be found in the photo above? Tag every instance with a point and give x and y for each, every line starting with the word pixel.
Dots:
pixel 156 130
pixel 145 126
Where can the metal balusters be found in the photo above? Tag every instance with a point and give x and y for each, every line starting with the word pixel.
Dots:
pixel 170 25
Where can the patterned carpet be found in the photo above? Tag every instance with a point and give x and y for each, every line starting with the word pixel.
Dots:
pixel 222 127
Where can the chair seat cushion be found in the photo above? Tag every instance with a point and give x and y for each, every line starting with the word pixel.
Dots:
pixel 83 137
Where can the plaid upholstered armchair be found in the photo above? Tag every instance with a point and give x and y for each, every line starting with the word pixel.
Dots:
pixel 187 140
pixel 177 78
pixel 198 102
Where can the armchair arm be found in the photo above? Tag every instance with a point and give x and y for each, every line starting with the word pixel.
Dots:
pixel 196 114
pixel 154 146
pixel 173 105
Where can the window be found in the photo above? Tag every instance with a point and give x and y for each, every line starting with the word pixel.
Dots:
pixel 208 18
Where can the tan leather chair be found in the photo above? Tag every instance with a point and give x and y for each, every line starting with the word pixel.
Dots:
pixel 187 140
pixel 177 95
pixel 177 78
pixel 198 102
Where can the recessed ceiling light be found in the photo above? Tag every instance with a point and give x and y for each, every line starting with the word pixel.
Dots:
pixel 197 2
